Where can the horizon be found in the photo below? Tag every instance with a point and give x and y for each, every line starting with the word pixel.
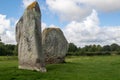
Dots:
pixel 83 22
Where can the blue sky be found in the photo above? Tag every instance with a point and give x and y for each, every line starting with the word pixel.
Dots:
pixel 83 22
pixel 110 19
pixel 11 8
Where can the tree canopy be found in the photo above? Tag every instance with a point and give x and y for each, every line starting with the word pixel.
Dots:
pixel 94 49
pixel 7 49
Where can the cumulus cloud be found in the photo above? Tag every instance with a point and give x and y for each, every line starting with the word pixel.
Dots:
pixel 102 5
pixel 27 2
pixel 70 10
pixel 7 33
pixel 44 25
pixel 4 23
pixel 89 32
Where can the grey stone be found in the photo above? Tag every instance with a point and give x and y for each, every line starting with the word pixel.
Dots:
pixel 55 45
pixel 28 37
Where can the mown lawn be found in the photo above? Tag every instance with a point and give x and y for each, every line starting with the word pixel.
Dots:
pixel 75 68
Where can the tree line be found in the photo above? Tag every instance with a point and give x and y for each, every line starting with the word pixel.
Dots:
pixel 88 50
pixel 7 49
pixel 91 50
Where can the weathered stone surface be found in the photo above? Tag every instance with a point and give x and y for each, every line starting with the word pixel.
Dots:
pixel 28 37
pixel 54 44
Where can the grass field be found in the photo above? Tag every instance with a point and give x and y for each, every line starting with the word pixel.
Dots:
pixel 75 68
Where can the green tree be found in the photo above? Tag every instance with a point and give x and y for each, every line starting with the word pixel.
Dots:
pixel 15 52
pixel 115 47
pixel 99 48
pixel 72 47
pixel 7 49
pixel 106 48
pixel 2 49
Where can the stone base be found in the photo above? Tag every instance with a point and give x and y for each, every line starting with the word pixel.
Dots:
pixel 54 60
pixel 41 69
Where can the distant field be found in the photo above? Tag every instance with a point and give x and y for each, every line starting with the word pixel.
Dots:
pixel 75 68
pixel 7 58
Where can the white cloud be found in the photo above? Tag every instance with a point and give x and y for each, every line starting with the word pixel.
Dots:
pixel 89 32
pixel 7 30
pixel 27 2
pixel 70 10
pixel 9 37
pixel 4 23
pixel 44 25
pixel 102 5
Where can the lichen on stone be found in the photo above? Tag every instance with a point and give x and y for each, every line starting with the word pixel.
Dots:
pixel 51 29
pixel 28 36
pixel 32 5
pixel 54 45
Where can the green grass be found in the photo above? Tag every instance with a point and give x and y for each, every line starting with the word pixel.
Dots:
pixel 75 68
pixel 6 58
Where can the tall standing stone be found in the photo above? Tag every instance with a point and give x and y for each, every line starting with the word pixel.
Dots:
pixel 54 44
pixel 28 37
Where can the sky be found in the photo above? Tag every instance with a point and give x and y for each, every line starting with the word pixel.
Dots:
pixel 83 22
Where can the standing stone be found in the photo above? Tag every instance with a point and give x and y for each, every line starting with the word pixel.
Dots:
pixel 28 37
pixel 54 44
